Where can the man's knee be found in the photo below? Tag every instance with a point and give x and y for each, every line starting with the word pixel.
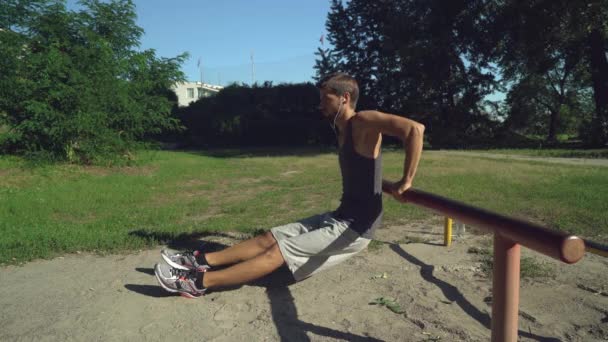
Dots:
pixel 267 240
pixel 274 255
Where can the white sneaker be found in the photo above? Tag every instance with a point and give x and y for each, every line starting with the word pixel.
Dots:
pixel 178 281
pixel 183 260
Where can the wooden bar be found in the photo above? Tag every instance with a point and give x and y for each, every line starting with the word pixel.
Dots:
pixel 596 248
pixel 556 244
pixel 509 233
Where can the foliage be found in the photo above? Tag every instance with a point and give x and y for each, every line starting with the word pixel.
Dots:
pixel 414 58
pixel 561 45
pixel 538 106
pixel 389 303
pixel 74 87
pixel 261 115
pixel 436 61
pixel 326 64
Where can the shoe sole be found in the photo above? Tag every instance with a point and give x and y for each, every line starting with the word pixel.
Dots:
pixel 189 295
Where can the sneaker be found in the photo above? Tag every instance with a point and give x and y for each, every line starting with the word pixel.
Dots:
pixel 178 281
pixel 183 260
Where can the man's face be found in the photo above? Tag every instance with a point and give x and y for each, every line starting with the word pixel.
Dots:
pixel 329 103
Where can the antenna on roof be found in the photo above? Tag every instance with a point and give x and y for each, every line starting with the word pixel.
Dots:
pixel 252 70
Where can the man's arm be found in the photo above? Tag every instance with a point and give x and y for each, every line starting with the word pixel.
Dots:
pixel 409 131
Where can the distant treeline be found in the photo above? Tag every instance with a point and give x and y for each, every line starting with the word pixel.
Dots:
pixel 262 115
pixel 440 60
pixel 288 115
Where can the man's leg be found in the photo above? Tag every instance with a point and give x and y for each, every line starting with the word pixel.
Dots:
pixel 193 283
pixel 242 251
pixel 254 268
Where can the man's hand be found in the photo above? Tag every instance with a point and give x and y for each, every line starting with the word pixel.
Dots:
pixel 398 188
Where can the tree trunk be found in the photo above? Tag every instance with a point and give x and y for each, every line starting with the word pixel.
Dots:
pixel 553 123
pixel 599 75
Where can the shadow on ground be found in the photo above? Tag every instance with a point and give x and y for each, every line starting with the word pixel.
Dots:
pixel 283 309
pixel 453 294
pixel 262 152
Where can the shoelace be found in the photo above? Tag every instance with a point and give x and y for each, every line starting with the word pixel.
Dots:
pixel 191 258
pixel 188 256
pixel 180 273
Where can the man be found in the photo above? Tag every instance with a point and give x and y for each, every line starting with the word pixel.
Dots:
pixel 319 242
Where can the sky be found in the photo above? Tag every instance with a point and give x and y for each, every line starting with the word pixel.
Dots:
pixel 282 35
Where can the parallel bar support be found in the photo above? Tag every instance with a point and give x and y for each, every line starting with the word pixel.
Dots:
pixel 447 232
pixel 505 289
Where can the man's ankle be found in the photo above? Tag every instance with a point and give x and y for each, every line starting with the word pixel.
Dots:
pixel 201 259
pixel 200 280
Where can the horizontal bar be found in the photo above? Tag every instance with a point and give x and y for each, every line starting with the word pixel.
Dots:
pixel 596 248
pixel 556 244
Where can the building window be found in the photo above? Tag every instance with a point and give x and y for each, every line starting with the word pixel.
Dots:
pixel 190 93
pixel 200 93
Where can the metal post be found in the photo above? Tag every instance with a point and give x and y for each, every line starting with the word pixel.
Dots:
pixel 447 232
pixel 505 289
pixel 252 70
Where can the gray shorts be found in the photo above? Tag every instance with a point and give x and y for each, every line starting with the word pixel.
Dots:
pixel 317 243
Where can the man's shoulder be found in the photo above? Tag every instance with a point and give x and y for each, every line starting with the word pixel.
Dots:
pixel 366 118
pixel 365 125
pixel 373 116
pixel 368 114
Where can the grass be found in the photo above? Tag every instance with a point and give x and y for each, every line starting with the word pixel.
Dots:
pixel 555 153
pixel 411 239
pixel 375 245
pixel 529 267
pixel 389 303
pixel 49 210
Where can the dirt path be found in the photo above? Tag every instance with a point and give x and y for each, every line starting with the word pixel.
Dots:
pixel 567 161
pixel 442 291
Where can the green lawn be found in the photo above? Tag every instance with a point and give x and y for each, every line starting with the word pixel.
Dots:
pixel 561 153
pixel 49 210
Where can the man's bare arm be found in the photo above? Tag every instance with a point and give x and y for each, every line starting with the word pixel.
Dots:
pixel 409 131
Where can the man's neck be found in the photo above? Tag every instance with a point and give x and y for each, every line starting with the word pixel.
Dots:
pixel 343 119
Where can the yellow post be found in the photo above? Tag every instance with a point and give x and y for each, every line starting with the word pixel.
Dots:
pixel 447 232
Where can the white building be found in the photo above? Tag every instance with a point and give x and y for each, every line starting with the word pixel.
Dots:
pixel 188 92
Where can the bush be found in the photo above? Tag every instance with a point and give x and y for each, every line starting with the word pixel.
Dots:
pixel 77 89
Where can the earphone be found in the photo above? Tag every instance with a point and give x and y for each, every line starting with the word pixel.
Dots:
pixel 333 126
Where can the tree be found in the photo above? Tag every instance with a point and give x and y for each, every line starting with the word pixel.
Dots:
pixel 74 87
pixel 540 102
pixel 326 64
pixel 542 37
pixel 259 115
pixel 15 15
pixel 415 57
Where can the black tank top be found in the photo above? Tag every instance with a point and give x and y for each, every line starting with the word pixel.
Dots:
pixel 361 202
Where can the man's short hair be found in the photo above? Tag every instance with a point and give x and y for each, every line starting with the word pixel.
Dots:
pixel 339 83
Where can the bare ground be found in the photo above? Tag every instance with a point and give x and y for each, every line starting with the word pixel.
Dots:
pixel 442 291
